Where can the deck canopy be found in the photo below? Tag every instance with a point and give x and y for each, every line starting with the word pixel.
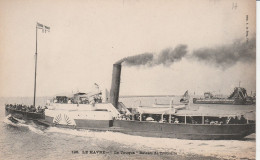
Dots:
pixel 201 111
pixel 69 95
pixel 209 112
pixel 80 94
pixel 156 110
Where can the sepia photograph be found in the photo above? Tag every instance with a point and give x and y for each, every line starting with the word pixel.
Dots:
pixel 128 79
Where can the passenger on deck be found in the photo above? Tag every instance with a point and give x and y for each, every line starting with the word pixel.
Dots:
pixel 128 118
pixel 172 119
pixel 243 120
pixel 193 121
pixel 143 117
pixel 164 120
pixel 227 121
pixel 212 122
pixel 207 121
pixel 236 120
pixel 176 120
pixel 33 109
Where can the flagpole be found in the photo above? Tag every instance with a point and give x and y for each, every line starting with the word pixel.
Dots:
pixel 44 28
pixel 35 70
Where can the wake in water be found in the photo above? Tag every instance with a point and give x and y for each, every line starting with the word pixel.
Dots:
pixel 21 123
pixel 223 149
pixel 228 149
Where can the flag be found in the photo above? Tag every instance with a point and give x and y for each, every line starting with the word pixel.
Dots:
pixel 46 28
pixel 96 86
pixel 39 25
pixel 43 27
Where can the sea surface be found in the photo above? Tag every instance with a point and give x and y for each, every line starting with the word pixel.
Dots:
pixel 28 140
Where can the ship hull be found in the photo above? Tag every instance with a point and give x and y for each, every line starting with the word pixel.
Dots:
pixel 186 131
pixel 145 128
pixel 166 130
pixel 221 101
pixel 23 114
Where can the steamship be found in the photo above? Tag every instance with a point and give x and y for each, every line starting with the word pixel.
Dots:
pixel 90 111
pixel 93 112
pixel 238 97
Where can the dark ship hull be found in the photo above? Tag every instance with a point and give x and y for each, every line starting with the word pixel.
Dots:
pixel 171 130
pixel 23 114
pixel 222 101
pixel 185 131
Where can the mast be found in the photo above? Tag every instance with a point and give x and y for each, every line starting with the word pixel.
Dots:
pixel 44 29
pixel 35 73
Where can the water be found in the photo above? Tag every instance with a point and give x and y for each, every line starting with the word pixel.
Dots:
pixel 27 140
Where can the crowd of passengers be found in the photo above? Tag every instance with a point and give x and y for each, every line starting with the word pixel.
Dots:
pixel 80 101
pixel 190 120
pixel 26 108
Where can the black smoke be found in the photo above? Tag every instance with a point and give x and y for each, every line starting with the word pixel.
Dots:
pixel 137 60
pixel 223 56
pixel 169 56
pixel 166 57
pixel 226 56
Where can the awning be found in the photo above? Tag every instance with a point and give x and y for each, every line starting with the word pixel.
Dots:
pixel 64 95
pixel 155 110
pixel 204 111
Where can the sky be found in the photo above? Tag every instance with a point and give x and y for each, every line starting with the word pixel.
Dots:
pixel 87 37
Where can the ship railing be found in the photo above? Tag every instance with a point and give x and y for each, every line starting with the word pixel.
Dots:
pixel 188 119
pixel 25 108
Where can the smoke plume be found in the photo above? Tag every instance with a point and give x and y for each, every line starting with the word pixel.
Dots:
pixel 166 57
pixel 227 55
pixel 223 56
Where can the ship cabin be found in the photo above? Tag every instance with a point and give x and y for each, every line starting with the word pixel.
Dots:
pixel 77 98
pixel 208 95
pixel 61 99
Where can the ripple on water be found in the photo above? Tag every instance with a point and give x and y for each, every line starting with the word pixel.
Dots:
pixel 219 148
